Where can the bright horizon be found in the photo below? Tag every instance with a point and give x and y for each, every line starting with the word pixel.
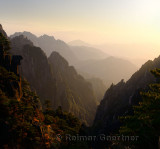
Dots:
pixel 121 22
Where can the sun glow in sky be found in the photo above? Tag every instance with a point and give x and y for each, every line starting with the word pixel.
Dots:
pixel 93 21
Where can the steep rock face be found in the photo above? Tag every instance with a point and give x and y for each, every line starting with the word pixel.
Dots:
pixel 119 98
pixel 75 94
pixel 55 80
pixel 35 68
pixel 10 63
pixel 14 87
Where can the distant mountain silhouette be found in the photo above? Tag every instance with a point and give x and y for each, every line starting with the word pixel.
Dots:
pixel 49 44
pixel 84 53
pixel 73 54
pixel 53 79
pixel 110 69
pixel 28 35
pixel 78 43
pixel 137 53
pixel 119 98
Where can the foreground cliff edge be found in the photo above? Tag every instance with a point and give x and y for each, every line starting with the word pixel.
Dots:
pixel 23 122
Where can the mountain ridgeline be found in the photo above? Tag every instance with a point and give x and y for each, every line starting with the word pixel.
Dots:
pixel 108 68
pixel 78 43
pixel 84 53
pixel 87 60
pixel 53 79
pixel 119 99
pixel 49 44
pixel 73 54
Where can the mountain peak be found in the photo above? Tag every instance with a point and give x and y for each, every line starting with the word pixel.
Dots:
pixel 47 37
pixel 58 59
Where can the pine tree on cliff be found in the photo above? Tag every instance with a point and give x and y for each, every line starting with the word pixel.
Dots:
pixel 4 42
pixel 145 122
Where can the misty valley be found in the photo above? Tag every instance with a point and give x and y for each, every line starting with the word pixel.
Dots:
pixel 71 95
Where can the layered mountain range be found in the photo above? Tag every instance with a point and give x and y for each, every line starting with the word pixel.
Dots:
pixel 78 43
pixel 107 69
pixel 88 61
pixel 84 53
pixel 49 44
pixel 53 79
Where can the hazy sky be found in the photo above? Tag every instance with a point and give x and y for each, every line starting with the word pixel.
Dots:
pixel 94 21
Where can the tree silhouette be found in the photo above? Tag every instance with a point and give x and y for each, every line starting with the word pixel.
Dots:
pixel 145 122
pixel 4 42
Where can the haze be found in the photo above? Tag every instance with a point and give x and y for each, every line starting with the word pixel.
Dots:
pixel 124 28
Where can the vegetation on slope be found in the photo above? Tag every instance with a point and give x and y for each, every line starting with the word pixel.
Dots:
pixel 23 122
pixel 145 122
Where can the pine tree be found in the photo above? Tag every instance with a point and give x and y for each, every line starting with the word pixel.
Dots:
pixel 4 42
pixel 145 122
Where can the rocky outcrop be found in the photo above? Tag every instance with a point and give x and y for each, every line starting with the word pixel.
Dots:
pixel 119 99
pixel 10 63
pixel 35 68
